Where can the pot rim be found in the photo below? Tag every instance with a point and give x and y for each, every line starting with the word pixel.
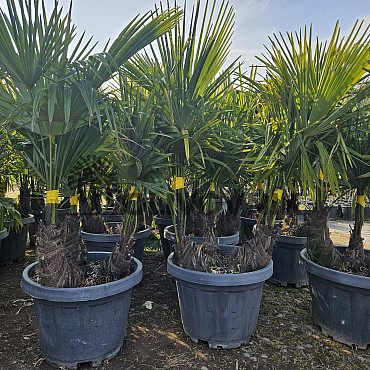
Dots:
pixel 25 221
pixel 3 233
pixel 206 278
pixel 91 237
pixel 89 293
pixel 170 235
pixel 339 277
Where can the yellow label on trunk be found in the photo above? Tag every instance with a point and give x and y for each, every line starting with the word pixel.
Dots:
pixel 133 195
pixel 361 200
pixel 74 200
pixel 177 183
pixel 278 193
pixel 260 186
pixel 26 171
pixel 52 196
pixel 321 175
pixel 212 186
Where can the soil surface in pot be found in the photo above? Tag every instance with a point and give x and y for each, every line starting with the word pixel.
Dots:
pixel 286 337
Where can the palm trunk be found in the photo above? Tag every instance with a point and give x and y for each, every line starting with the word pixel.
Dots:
pixel 356 242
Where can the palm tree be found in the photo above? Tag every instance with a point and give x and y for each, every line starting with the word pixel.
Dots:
pixel 313 84
pixel 55 95
pixel 185 74
pixel 357 175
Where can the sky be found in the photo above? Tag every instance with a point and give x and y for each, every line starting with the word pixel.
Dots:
pixel 255 20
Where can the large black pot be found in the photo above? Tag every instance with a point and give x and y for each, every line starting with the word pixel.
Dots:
pixel 169 234
pixel 13 247
pixel 77 325
pixel 340 303
pixel 161 223
pixel 106 242
pixel 288 267
pixel 221 309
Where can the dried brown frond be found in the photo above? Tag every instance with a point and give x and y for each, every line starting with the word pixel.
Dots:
pixel 118 265
pixel 93 223
pixel 255 253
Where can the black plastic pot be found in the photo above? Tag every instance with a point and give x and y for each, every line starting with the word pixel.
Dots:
pixel 288 267
pixel 221 309
pixel 340 303
pixel 62 213
pixel 161 223
pixel 3 234
pixel 246 227
pixel 226 249
pixel 367 212
pixel 347 213
pixel 77 325
pixel 333 213
pixel 33 228
pixel 112 218
pixel 169 234
pixel 106 242
pixel 13 247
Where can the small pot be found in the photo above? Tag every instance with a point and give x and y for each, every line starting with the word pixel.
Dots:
pixel 106 242
pixel 33 228
pixel 246 227
pixel 112 218
pixel 161 223
pixel 169 234
pixel 288 267
pixel 13 247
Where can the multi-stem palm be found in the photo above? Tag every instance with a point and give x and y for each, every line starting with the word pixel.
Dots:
pixel 313 82
pixel 56 100
pixel 185 76
pixel 140 166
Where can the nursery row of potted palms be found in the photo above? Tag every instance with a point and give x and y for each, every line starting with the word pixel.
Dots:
pixel 174 125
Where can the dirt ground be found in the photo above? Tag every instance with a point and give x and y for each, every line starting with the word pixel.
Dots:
pixel 286 337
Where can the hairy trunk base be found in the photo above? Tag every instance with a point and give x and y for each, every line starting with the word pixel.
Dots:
pixel 322 251
pixel 62 258
pixel 254 254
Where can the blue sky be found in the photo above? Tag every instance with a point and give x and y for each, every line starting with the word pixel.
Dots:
pixel 255 20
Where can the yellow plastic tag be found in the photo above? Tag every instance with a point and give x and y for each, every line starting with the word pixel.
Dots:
pixel 26 171
pixel 52 196
pixel 321 175
pixel 361 200
pixel 278 193
pixel 260 186
pixel 133 195
pixel 212 186
pixel 74 200
pixel 177 183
